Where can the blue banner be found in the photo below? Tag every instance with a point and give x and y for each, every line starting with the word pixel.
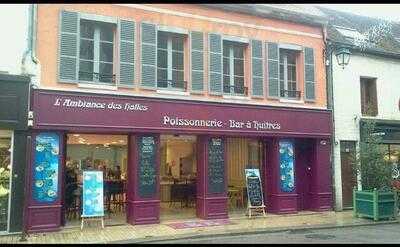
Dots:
pixel 286 165
pixel 45 168
pixel 92 194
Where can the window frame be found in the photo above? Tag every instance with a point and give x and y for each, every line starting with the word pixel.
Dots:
pixel 365 89
pixel 231 60
pixel 170 51
pixel 96 49
pixel 288 84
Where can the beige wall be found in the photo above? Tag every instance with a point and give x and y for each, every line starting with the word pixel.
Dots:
pixel 191 17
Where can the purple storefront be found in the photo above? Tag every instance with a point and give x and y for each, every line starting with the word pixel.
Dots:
pixel 306 133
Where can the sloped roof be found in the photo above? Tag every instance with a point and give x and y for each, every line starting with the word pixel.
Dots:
pixel 341 23
pixel 300 13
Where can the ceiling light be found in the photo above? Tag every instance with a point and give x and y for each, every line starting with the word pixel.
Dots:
pixel 121 141
pixel 114 142
pixel 76 135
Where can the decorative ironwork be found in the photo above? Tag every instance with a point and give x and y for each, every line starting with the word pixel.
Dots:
pixel 292 94
pixel 236 90
pixel 171 84
pixel 97 77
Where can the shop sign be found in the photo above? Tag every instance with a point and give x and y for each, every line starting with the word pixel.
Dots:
pixel 45 167
pixel 61 110
pixel 93 195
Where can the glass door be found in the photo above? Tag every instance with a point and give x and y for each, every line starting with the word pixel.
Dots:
pixel 5 171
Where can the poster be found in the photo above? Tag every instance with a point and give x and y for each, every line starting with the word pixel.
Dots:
pixel 286 165
pixel 92 205
pixel 45 168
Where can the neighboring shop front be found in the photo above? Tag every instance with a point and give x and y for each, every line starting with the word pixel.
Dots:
pixel 290 146
pixel 389 131
pixel 14 94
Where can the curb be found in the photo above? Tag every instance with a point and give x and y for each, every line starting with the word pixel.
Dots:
pixel 243 231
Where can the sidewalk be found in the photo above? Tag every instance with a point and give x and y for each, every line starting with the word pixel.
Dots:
pixel 157 232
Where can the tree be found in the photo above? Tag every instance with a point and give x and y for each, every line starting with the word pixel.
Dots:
pixel 370 161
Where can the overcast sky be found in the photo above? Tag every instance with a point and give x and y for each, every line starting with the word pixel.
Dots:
pixel 13 23
pixel 385 11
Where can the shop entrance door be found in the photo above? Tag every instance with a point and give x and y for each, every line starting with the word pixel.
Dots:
pixel 349 179
pixel 89 152
pixel 303 173
pixel 178 177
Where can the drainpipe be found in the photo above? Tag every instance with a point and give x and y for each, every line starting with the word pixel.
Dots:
pixel 30 63
pixel 329 48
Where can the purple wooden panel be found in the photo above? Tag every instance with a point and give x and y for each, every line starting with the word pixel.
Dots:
pixel 44 218
pixel 141 210
pixel 54 110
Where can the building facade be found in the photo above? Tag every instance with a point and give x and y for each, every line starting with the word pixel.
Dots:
pixel 195 93
pixel 364 89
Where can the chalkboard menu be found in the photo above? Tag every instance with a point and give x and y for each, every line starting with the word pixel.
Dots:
pixel 254 187
pixel 216 167
pixel 147 166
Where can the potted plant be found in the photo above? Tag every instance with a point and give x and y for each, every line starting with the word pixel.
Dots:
pixel 377 199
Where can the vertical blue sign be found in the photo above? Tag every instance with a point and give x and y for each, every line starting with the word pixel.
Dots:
pixel 45 167
pixel 286 165
pixel 92 194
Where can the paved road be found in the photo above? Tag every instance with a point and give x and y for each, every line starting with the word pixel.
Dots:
pixel 386 233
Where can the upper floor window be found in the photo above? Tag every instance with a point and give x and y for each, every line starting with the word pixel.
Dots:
pixel 288 74
pixel 369 105
pixel 96 53
pixel 233 68
pixel 170 60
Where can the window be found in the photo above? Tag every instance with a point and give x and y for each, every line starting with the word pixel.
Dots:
pixel 96 54
pixel 369 106
pixel 233 68
pixel 170 60
pixel 287 74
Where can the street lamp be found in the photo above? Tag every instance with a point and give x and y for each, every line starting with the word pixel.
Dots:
pixel 343 56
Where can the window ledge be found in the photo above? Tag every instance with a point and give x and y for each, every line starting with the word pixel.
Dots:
pixel 295 101
pixel 164 91
pixel 235 97
pixel 97 86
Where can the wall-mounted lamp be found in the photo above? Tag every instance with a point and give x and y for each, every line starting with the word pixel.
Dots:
pixel 343 56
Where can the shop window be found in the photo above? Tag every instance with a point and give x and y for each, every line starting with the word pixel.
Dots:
pixel 233 68
pixel 288 74
pixel 5 171
pixel 170 60
pixel 96 51
pixel 369 105
pixel 106 153
pixel 242 153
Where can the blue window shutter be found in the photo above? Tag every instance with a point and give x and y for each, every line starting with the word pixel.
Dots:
pixel 309 74
pixel 273 69
pixel 197 61
pixel 257 68
pixel 215 63
pixel 149 55
pixel 126 52
pixel 68 46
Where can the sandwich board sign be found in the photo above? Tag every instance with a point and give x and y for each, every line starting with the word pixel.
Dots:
pixel 93 194
pixel 255 198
